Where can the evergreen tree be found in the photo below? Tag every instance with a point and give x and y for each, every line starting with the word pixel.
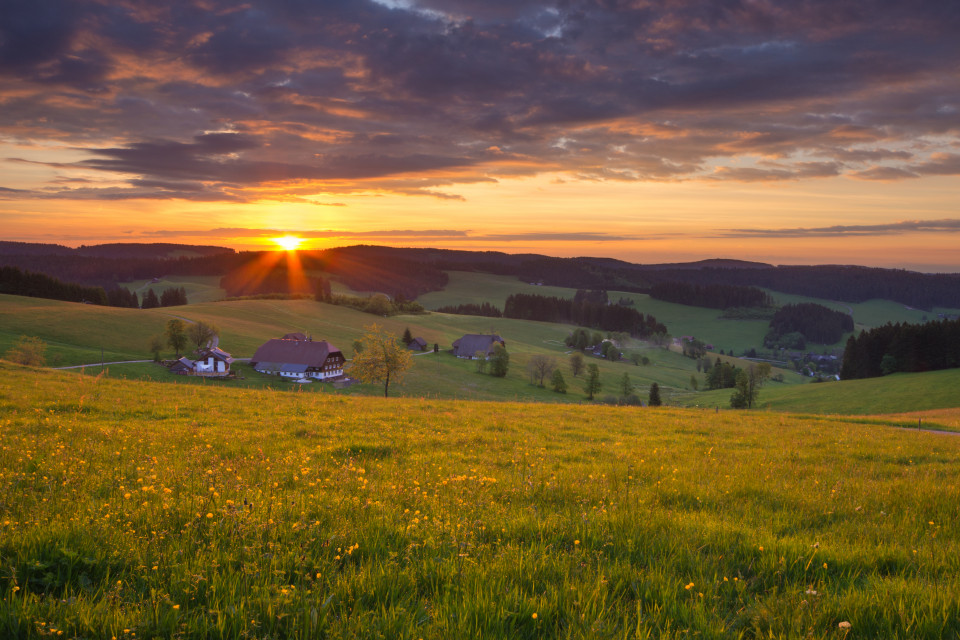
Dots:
pixel 654 398
pixel 150 300
pixel 626 387
pixel 592 385
pixel 407 336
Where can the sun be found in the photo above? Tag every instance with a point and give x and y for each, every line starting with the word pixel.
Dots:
pixel 289 243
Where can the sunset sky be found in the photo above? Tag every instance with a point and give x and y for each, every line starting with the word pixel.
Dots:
pixel 794 131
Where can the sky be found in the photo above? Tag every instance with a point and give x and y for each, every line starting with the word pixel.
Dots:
pixel 789 132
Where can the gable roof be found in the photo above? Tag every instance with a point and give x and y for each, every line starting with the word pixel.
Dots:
pixel 417 343
pixel 310 353
pixel 217 353
pixel 471 343
pixel 182 364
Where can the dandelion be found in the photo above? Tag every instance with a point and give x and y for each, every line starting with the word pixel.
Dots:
pixel 534 616
pixel 576 542
pixel 689 586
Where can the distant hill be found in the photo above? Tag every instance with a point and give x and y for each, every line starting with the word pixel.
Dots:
pixel 160 250
pixel 413 272
pixel 154 250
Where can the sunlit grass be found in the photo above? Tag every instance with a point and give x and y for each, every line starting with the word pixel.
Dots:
pixel 159 510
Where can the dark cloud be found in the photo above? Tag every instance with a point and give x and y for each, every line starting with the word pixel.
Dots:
pixel 893 228
pixel 421 96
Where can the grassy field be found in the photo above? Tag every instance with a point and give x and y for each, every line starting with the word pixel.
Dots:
pixel 898 393
pixel 141 510
pixel 738 335
pixel 198 288
pixel 75 333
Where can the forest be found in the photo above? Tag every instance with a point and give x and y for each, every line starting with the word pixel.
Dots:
pixel 903 347
pixel 607 317
pixel 714 296
pixel 813 322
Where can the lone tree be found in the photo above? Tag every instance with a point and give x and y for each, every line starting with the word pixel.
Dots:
pixel 654 399
pixel 382 358
pixel 576 364
pixel 499 361
pixel 28 350
pixel 539 367
pixel 748 383
pixel 202 334
pixel 626 387
pixel 407 336
pixel 156 346
pixel 592 385
pixel 557 382
pixel 176 333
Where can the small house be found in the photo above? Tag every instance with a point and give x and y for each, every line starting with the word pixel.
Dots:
pixel 182 367
pixel 297 356
pixel 213 362
pixel 417 344
pixel 469 345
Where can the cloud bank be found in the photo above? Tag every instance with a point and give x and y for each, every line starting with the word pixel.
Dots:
pixel 288 100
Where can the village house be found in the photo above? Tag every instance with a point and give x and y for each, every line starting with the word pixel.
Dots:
pixel 471 344
pixel 417 344
pixel 182 367
pixel 298 356
pixel 212 362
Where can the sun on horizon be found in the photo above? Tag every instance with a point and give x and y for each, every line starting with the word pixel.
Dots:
pixel 288 243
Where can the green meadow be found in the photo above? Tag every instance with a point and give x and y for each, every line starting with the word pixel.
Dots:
pixel 897 393
pixel 132 509
pixel 75 334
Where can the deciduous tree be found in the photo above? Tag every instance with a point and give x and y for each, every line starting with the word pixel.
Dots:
pixel 176 333
pixel 382 358
pixel 539 367
pixel 201 334
pixel 499 361
pixel 576 364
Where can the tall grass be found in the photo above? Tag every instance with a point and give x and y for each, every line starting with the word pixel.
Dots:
pixel 134 509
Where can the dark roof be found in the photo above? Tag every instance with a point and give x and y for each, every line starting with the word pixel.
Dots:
pixel 310 353
pixel 417 343
pixel 217 353
pixel 469 344
pixel 183 364
pixel 294 336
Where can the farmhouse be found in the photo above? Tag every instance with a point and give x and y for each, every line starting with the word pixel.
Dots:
pixel 469 345
pixel 417 344
pixel 212 362
pixel 298 356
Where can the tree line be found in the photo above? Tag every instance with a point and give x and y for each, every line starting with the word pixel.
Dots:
pixel 526 306
pixel 711 296
pixel 471 309
pixel 902 347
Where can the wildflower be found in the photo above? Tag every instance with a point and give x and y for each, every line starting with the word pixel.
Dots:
pixel 845 625
pixel 576 542
pixel 176 606
pixel 534 616
pixel 689 586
